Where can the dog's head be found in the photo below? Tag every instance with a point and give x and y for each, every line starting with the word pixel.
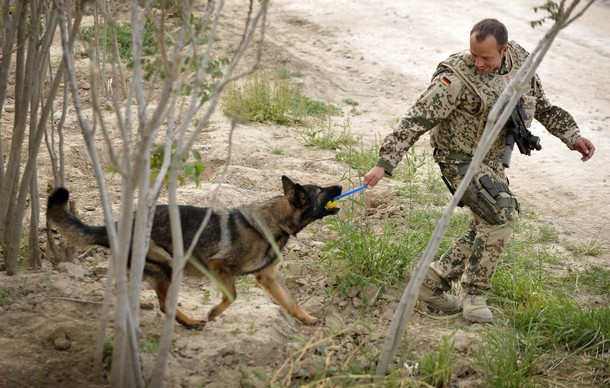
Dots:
pixel 311 200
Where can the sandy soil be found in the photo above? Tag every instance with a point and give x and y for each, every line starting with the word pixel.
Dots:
pixel 380 54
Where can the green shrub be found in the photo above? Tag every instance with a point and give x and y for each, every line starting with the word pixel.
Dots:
pixel 266 98
pixel 124 37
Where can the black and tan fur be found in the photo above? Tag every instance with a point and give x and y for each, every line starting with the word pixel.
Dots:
pixel 232 244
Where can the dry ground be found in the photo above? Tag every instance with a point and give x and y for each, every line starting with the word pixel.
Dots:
pixel 380 54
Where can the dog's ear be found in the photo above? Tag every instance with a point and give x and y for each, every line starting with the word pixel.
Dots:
pixel 295 193
pixel 287 184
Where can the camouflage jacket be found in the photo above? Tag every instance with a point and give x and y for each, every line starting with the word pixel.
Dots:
pixel 455 107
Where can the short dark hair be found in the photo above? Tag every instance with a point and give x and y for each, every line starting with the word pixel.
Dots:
pixel 492 27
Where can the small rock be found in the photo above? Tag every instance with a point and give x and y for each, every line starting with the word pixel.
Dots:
pixel 60 339
pixel 74 270
pixel 227 360
pixel 294 246
pixel 353 292
pixel 100 270
pixel 61 343
pixel 317 244
pixel 357 302
pixel 370 293
pixel 315 306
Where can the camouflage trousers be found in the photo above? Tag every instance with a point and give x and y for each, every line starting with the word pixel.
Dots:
pixel 473 258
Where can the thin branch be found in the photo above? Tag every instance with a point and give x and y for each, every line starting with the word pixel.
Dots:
pixel 76 300
pixel 579 14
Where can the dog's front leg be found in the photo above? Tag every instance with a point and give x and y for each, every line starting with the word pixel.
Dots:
pixel 270 279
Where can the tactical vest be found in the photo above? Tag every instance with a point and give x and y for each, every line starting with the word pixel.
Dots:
pixel 461 131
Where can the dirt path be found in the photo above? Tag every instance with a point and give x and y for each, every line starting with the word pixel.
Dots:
pixel 382 54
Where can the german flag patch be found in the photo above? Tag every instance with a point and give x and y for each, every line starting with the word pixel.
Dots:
pixel 445 81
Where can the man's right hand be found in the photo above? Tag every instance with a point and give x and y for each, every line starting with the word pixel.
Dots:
pixel 374 175
pixel 582 145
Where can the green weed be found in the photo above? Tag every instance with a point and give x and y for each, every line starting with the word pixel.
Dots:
pixel 593 247
pixel 5 292
pixel 206 296
pixel 191 164
pixel 436 368
pixel 359 158
pixel 507 357
pixel 363 255
pixel 547 234
pixel 595 278
pixel 149 345
pixel 124 36
pixel 325 136
pixel 278 151
pixel 268 98
pixel 353 104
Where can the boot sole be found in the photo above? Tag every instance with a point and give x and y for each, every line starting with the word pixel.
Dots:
pixel 436 309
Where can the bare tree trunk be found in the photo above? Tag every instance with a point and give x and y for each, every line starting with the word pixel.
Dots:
pixel 35 256
pixel 9 187
pixel 8 34
pixel 38 51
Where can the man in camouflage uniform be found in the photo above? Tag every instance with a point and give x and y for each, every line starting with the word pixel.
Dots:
pixel 455 107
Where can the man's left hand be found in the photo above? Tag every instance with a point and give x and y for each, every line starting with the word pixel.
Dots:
pixel 585 147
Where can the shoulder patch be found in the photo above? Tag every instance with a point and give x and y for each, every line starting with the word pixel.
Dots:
pixel 445 81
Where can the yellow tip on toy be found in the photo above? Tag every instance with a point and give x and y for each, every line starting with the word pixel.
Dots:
pixel 331 205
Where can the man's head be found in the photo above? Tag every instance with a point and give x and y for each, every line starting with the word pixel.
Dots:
pixel 488 45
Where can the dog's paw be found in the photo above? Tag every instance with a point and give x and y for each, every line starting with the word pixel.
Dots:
pixel 216 311
pixel 195 324
pixel 308 319
pixel 213 314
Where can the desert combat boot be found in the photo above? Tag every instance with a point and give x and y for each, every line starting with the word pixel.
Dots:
pixel 476 310
pixel 432 294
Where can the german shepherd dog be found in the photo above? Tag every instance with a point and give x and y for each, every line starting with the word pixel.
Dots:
pixel 232 244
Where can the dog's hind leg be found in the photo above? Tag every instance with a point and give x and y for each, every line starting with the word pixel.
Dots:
pixel 158 273
pixel 161 286
pixel 270 279
pixel 228 281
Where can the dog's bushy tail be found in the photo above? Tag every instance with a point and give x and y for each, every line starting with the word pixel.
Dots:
pixel 70 226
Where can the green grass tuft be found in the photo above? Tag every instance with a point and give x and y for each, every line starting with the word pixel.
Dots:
pixel 268 98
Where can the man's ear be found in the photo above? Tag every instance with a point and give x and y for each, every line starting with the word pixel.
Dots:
pixel 504 49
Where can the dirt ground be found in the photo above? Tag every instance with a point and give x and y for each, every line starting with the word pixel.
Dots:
pixel 381 55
